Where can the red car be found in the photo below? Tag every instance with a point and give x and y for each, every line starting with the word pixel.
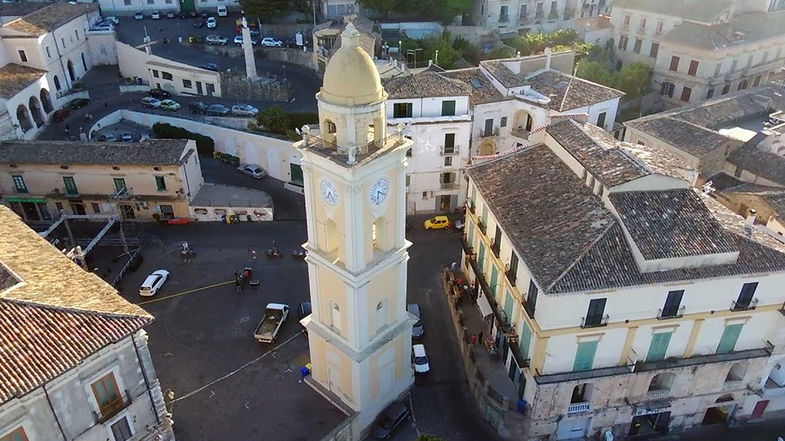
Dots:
pixel 60 115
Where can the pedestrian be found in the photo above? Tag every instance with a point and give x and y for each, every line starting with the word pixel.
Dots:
pixel 454 266
pixel 106 104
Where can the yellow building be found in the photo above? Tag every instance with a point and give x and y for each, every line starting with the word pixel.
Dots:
pixel 355 198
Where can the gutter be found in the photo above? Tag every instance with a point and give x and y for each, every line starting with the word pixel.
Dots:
pixel 57 420
pixel 146 380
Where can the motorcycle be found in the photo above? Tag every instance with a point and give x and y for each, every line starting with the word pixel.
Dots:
pixel 273 253
pixel 299 254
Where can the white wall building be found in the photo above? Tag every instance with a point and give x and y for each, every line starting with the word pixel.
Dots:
pixel 336 9
pixel 512 17
pixel 609 315
pixel 77 366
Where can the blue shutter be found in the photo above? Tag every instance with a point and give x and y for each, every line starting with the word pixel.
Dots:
pixel 659 346
pixel 729 337
pixel 584 356
pixel 526 337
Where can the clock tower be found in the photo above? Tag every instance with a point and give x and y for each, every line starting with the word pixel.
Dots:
pixel 355 187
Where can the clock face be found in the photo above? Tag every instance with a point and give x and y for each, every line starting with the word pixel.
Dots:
pixel 379 191
pixel 330 192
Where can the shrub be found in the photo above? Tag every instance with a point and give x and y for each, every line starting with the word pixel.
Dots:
pixel 204 144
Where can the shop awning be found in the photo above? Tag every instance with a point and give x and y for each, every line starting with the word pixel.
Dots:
pixel 33 200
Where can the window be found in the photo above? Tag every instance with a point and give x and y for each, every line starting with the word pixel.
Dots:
pixel 742 85
pixel 525 341
pixel 685 94
pixel 381 315
pixel 512 272
pixel 504 14
pixel 601 119
pixel 62 40
pixel 17 435
pixel 449 143
pixel 48 53
pixel 448 108
pixel 59 207
pixel 659 346
pixel 448 161
pixel 155 73
pixel 595 313
pixel 582 393
pixel 187 84
pixel 497 241
pixel 726 89
pixel 19 183
pixel 734 65
pixel 693 70
pixel 736 372
pixel 331 127
pixel 166 76
pixel 710 94
pixel 717 69
pixel 23 56
pixel 488 127
pixel 121 431
pixel 107 394
pixel 96 207
pixel 626 20
pixel 674 63
pixel 744 301
pixel 70 185
pixel 729 338
pixel 643 23
pixel 756 82
pixel 623 40
pixel 335 316
pixel 531 299
pixel 503 122
pixel 672 304
pixel 655 48
pixel 659 27
pixel 160 183
pixel 637 48
pixel 667 89
pixel 127 2
pixel 119 183
pixel 584 356
pixel 408 180
pixel 404 110
pixel 409 153
pixel 76 32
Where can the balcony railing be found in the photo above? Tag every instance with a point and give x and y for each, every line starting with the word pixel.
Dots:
pixel 521 133
pixel 449 185
pixel 108 413
pixel 734 306
pixel 670 314
pixel 489 133
pixel 594 321
pixel 451 150
pixel 578 408
pixel 657 394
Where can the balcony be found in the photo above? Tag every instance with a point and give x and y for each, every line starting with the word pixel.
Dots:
pixel 450 150
pixel 504 18
pixel 578 408
pixel 656 394
pixel 748 306
pixel 448 185
pixel 521 133
pixel 481 226
pixel 594 321
pixel 670 314
pixel 471 206
pixel 112 410
pixel 489 133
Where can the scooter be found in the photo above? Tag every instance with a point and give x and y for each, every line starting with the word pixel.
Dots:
pixel 299 254
pixel 273 253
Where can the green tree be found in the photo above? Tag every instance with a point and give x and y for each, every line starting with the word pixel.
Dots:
pixel 634 79
pixel 264 9
pixel 426 437
pixel 500 51
pixel 275 120
pixel 597 73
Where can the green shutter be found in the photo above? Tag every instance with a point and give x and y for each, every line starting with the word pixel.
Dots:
pixel 729 337
pixel 470 226
pixel 485 216
pixel 659 346
pixel 494 278
pixel 584 356
pixel 160 183
pixel 526 337
pixel 508 302
pixel 481 258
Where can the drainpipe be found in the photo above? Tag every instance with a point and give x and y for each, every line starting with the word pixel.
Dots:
pixel 146 380
pixel 57 420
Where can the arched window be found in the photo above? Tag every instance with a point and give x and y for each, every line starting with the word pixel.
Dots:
pixel 330 127
pixel 71 73
pixel 46 101
pixel 582 393
pixel 35 109
pixel 57 83
pixel 331 236
pixel 736 372
pixel 377 235
pixel 662 381
pixel 23 118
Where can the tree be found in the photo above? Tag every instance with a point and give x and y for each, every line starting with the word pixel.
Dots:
pixel 426 437
pixel 500 51
pixel 275 120
pixel 597 73
pixel 264 9
pixel 634 79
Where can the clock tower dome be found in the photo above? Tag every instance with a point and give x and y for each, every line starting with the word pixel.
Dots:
pixel 355 188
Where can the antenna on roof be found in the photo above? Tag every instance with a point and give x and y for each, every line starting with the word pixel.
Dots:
pixel 566 91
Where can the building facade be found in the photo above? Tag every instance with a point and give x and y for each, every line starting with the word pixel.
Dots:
pixel 78 366
pixel 359 332
pixel 150 180
pixel 521 16
pixel 337 9
pixel 655 339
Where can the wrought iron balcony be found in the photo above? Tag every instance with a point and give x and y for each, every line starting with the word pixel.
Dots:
pixel 594 321
pixel 489 133
pixel 578 407
pixel 657 394
pixel 450 150
pixel 664 315
pixel 734 306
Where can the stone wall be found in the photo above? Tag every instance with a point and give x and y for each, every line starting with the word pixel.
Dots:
pixel 270 88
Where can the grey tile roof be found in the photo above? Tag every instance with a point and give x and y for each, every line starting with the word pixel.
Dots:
pixel 14 78
pixel 660 161
pixel 754 26
pixel 482 90
pixel 722 181
pixel 698 10
pixel 598 152
pixel 424 84
pixel 17 9
pixel 7 278
pixel 719 112
pixel 166 152
pixel 777 203
pixel 45 20
pixel 691 138
pixel 671 223
pixel 567 95
pixel 759 161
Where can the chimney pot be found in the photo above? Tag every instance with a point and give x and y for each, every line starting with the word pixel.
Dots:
pixel 751 217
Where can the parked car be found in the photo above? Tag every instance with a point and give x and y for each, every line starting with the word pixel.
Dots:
pixel 77 103
pixel 238 40
pixel 271 42
pixel 170 14
pixel 417 329
pixel 211 66
pixel 437 223
pixel 171 105
pixel 252 170
pixel 103 27
pixel 217 110
pixel 211 23
pixel 139 15
pixel 244 110
pixel 60 115
pixel 253 31
pixel 127 137
pixel 389 420
pixel 113 19
pixel 183 16
pixel 222 11
pixel 420 360
pixel 153 283
pixel 275 315
pixel 109 137
pixel 156 15
pixel 214 39
pixel 151 102
pixel 159 93
pixel 198 107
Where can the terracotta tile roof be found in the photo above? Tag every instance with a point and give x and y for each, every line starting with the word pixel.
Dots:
pixel 45 20
pixel 598 152
pixel 671 223
pixel 425 84
pixel 482 90
pixel 699 10
pixel 691 138
pixel 149 152
pixel 14 78
pixel 58 314
pixel 777 203
pixel 566 94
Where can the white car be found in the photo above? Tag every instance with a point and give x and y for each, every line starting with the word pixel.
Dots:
pixel 139 15
pixel 153 283
pixel 156 15
pixel 271 42
pixel 113 19
pixel 171 105
pixel 244 110
pixel 238 39
pixel 104 26
pixel 421 365
pixel 216 39
pixel 211 23
pixel 252 170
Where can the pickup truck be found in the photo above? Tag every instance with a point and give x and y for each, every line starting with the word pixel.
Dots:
pixel 274 316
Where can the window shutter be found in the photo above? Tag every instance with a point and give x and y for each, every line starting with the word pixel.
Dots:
pixel 526 336
pixel 659 346
pixel 729 338
pixel 584 356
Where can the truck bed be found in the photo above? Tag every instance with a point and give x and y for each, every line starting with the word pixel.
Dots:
pixel 269 325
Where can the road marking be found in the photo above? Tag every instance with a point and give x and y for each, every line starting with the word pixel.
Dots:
pixel 190 291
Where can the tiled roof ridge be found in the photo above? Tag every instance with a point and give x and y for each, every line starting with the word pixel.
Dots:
pixel 583 254
pixel 75 310
pixel 587 81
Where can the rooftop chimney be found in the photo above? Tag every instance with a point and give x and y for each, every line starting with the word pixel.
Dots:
pixel 750 222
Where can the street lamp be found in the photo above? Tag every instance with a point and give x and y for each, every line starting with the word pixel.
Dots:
pixel 436 57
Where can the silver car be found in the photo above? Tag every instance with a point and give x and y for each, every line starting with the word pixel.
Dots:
pixel 216 39
pixel 244 110
pixel 252 170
